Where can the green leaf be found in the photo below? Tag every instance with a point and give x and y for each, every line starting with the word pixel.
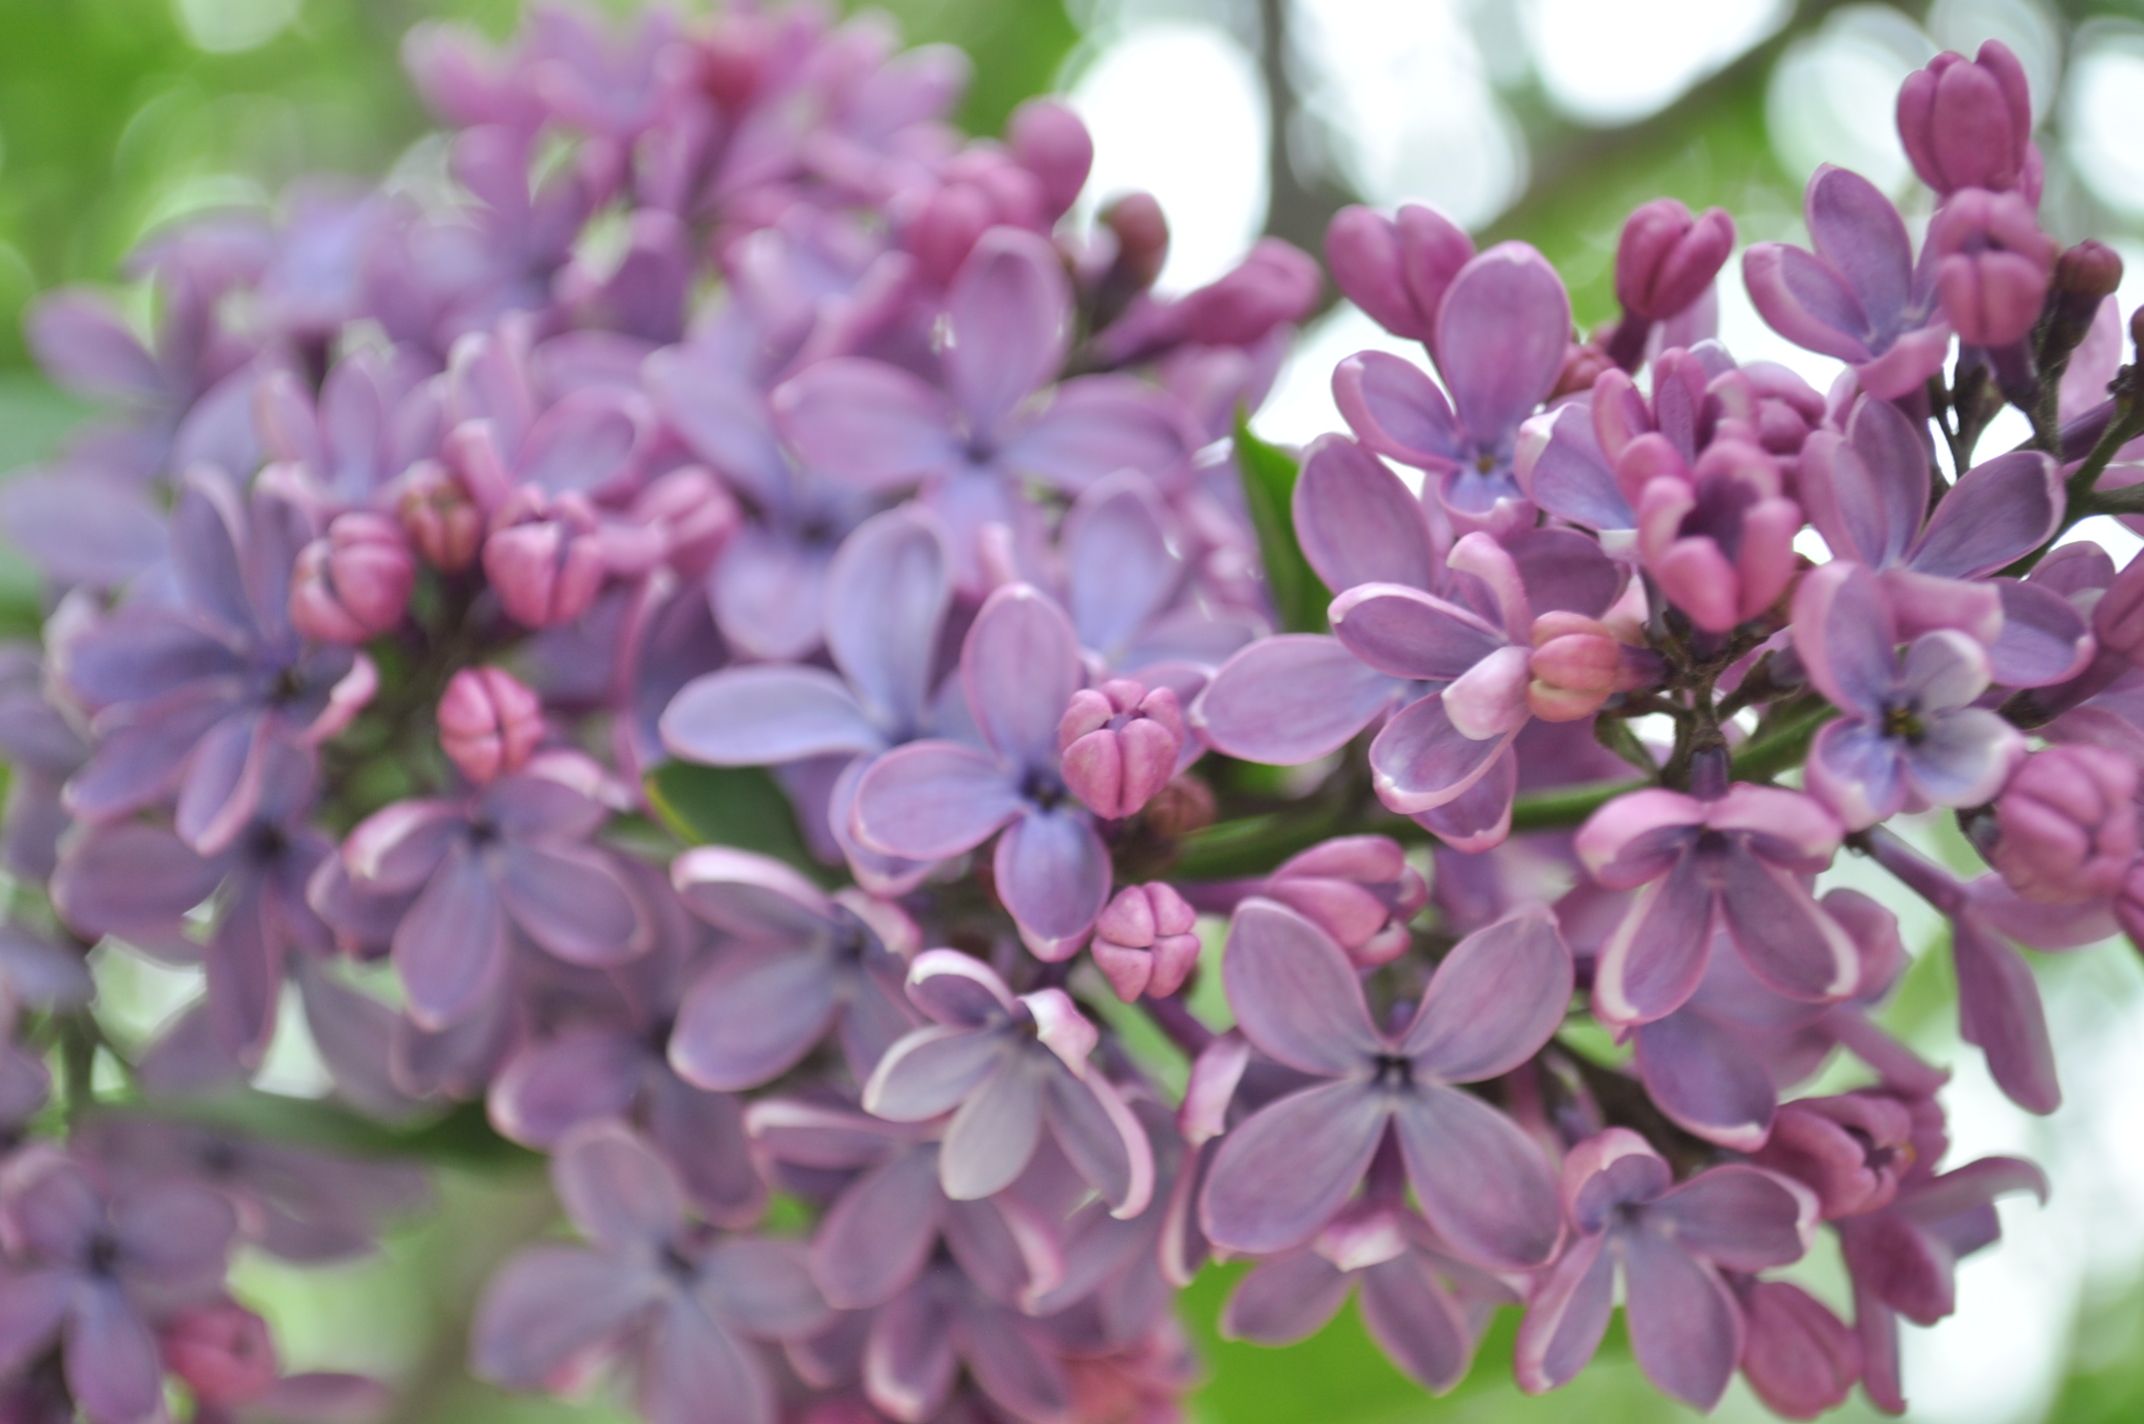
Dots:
pixel 1268 487
pixel 739 806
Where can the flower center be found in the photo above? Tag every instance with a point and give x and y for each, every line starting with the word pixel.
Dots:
pixel 1393 1071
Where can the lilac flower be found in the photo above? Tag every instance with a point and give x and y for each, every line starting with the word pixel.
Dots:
pixel 2065 827
pixel 802 964
pixel 1006 1068
pixel 375 416
pixel 941 1328
pixel 1993 266
pixel 1145 941
pixel 1849 1151
pixel 1397 269
pixel 928 800
pixel 1859 296
pixel 43 745
pixel 1502 326
pixel 1737 865
pixel 1287 1170
pixel 199 698
pixel 1798 1357
pixel 1424 1309
pixel 1359 890
pixel 1868 493
pixel 1717 536
pixel 1671 1241
pixel 510 859
pixel 682 1308
pixel 1902 1258
pixel 1967 123
pixel 1910 736
pixel 1665 259
pixel 1007 317
pixel 95 1272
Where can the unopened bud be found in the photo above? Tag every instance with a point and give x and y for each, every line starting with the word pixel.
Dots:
pixel 1396 269
pixel 544 559
pixel 1142 234
pixel 1050 142
pixel 1144 942
pixel 1850 1150
pixel 489 723
pixel 222 1353
pixel 352 583
pixel 442 521
pixel 1968 123
pixel 1575 666
pixel 2065 828
pixel 1275 284
pixel 1666 258
pixel 1120 743
pixel 1993 265
pixel 1359 890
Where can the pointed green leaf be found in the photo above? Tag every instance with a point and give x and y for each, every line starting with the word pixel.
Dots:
pixel 741 806
pixel 1269 472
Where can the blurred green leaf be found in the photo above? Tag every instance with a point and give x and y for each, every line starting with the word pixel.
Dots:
pixel 731 806
pixel 1016 48
pixel 1269 474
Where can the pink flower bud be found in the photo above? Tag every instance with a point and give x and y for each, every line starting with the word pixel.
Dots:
pixel 352 583
pixel 944 229
pixel 1666 258
pixel 1850 1150
pixel 2118 617
pixel 1142 234
pixel 1358 889
pixel 2066 825
pixel 1052 143
pixel 1968 123
pixel 1143 943
pixel 489 723
pixel 693 514
pixel 1276 284
pixel 1396 268
pixel 1798 1357
pixel 442 521
pixel 543 558
pixel 1120 744
pixel 1993 265
pixel 1717 537
pixel 1574 668
pixel 222 1352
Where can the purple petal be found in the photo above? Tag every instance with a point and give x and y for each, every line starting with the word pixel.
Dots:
pixel 1739 1217
pixel 1705 1079
pixel 1100 1136
pixel 1479 818
pixel 112 1366
pixel 2000 510
pixel 1093 427
pixel 768 593
pixel 1999 1011
pixel 1420 761
pixel 1397 411
pixel 1785 937
pixel 1405 632
pixel 764 716
pixel 1861 236
pixel 866 421
pixel 878 1234
pixel 1963 758
pixel 174 1236
pixel 702 1137
pixel 886 596
pixel 692 1359
pixel 1638 838
pixel 1566 1317
pixel 131 879
pixel 1418 1325
pixel 451 946
pixel 80 527
pixel 83 344
pixel 1684 1327
pixel 929 800
pixel 1844 634
pixel 547 1089
pixel 930 1072
pixel 909 1361
pixel 546 1307
pixel 763 1288
pixel 244 964
pixel 1294 993
pixel 616 1189
pixel 33 1303
pixel 752 1016
pixel 1290 699
pixel 1052 873
pixel 1011 1366
pixel 959 990
pixel 223 782
pixel 993 1135
pixel 1120 571
pixel 1868 493
pixel 1482 1182
pixel 1357 522
pixel 1019 667
pixel 1653 961
pixel 571 902
pixel 1805 301
pixel 1494 1000
pixel 1502 329
pixel 1561 467
pixel 1858 771
pixel 2044 639
pixel 1279 1176
pixel 1286 1299
pixel 754 897
pixel 1005 325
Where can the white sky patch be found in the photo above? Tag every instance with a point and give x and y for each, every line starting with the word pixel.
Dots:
pixel 2105 113
pixel 1602 65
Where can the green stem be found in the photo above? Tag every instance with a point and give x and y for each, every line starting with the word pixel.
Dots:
pixel 1781 745
pixel 2082 498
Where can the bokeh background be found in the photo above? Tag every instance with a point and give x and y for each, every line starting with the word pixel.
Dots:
pixel 1542 119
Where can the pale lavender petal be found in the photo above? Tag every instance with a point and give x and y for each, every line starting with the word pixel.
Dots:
pixel 244 971
pixel 1286 1299
pixel 1858 771
pixel 1867 493
pixel 1291 699
pixel 1653 961
pixel 702 1136
pixel 1357 522
pixel 1019 667
pixel 1805 301
pixel 175 1236
pixel 1738 1216
pixel 752 1016
pixel 1684 1326
pixel 549 1088
pixel 2000 510
pixel 451 946
pixel 875 1238
pixel 1418 1325
pixel 140 762
pixel 113 1370
pixel 1006 317
pixel 1636 838
pixel 1405 632
pixel 1478 818
pixel 930 1072
pixel 764 716
pixel 1095 426
pixel 1294 993
pixel 1845 637
pixel 1963 758
pixel 692 1359
pixel 1704 1078
pixel 1999 1011
pixel 546 1307
pixel 1052 873
pixel 131 879
pixel 1099 1134
pixel 1856 230
pixel 866 421
pixel 909 1361
pixel 2044 639
pixel 32 1305
pixel 138 654
pixel 572 902
pixel 887 591
pixel 1011 1366
pixel 616 1189
pixel 762 1287
pixel 929 800
pixel 1502 330
pixel 1420 761
pixel 80 527
pixel 1278 1177
pixel 1482 1182
pixel 1494 1000
pixel 1395 410
pixel 1790 943
pixel 1561 467
pixel 959 990
pixel 84 345
pixel 1566 1317
pixel 1120 572
pixel 224 778
pixel 751 896
pixel 768 593
pixel 993 1136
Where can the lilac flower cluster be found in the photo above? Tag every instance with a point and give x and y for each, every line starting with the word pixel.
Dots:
pixel 717 635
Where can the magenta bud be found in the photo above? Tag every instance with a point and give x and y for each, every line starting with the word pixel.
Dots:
pixel 1718 537
pixel 543 558
pixel 1968 123
pixel 1051 142
pixel 1850 1150
pixel 1576 665
pixel 2066 825
pixel 221 1352
pixel 1666 259
pixel 1358 889
pixel 945 228
pixel 1275 284
pixel 1120 744
pixel 1142 234
pixel 352 583
pixel 442 521
pixel 1799 1358
pixel 1396 268
pixel 1144 942
pixel 693 514
pixel 2118 617
pixel 1993 265
pixel 489 723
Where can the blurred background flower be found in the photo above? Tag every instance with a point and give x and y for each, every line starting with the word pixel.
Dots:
pixel 1547 119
